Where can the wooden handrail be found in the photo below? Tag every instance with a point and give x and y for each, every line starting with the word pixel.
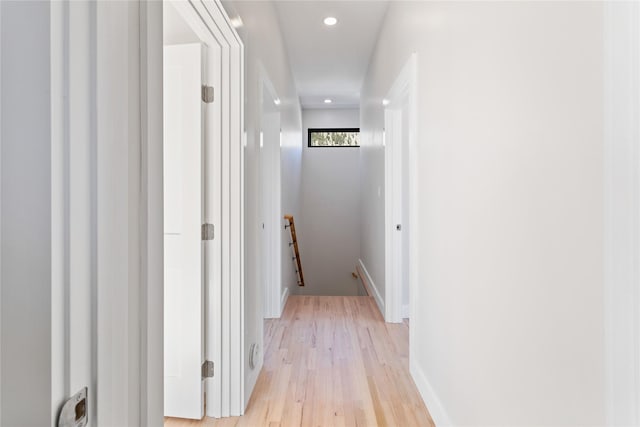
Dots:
pixel 296 251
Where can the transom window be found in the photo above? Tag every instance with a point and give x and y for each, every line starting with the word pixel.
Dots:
pixel 334 137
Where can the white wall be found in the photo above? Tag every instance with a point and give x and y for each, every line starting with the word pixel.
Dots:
pixel 329 227
pixel 372 194
pixel 509 322
pixel 263 43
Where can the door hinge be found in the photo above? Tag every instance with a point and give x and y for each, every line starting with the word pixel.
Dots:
pixel 207 231
pixel 74 412
pixel 207 369
pixel 207 94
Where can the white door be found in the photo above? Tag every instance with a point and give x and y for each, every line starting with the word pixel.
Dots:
pixel 183 253
pixel 396 219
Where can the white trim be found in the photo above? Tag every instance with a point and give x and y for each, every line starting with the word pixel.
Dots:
pixel 406 311
pixel 283 300
pixel 429 396
pixel 151 226
pixel 118 178
pixel 376 293
pixel 53 382
pixel 403 89
pixel 622 212
pixel 236 217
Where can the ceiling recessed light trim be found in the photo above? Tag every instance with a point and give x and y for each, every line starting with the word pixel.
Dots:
pixel 328 101
pixel 277 101
pixel 330 21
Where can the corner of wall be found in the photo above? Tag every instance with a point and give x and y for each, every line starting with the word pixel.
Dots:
pixel 374 289
pixel 250 383
pixel 284 298
pixel 431 400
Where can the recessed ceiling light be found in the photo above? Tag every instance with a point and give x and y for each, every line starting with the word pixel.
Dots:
pixel 385 102
pixel 276 101
pixel 236 22
pixel 330 20
pixel 328 101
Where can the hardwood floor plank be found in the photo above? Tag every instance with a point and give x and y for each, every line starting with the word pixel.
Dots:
pixel 331 361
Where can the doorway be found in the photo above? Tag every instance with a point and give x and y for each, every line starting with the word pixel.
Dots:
pixel 202 192
pixel 400 211
pixel 270 198
pixel 190 212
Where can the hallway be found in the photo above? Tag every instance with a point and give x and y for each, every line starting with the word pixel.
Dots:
pixel 150 150
pixel 331 361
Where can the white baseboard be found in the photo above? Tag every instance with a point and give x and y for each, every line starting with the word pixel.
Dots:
pixel 436 410
pixel 406 312
pixel 283 299
pixel 374 289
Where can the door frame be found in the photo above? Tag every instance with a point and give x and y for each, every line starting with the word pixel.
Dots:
pixel 402 91
pixel 272 294
pixel 228 385
pixel 213 65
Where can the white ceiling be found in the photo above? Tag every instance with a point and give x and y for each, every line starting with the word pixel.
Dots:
pixel 330 62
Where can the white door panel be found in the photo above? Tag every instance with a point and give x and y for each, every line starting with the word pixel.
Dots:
pixel 183 286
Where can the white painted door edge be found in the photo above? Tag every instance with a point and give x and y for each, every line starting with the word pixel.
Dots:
pixel 185 262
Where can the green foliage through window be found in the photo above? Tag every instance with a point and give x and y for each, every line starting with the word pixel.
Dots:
pixel 334 137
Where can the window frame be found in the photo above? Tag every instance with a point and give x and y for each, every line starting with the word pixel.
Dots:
pixel 331 130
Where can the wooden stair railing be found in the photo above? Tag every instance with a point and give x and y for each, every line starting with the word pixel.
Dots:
pixel 296 251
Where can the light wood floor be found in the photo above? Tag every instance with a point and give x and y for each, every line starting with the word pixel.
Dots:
pixel 331 361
